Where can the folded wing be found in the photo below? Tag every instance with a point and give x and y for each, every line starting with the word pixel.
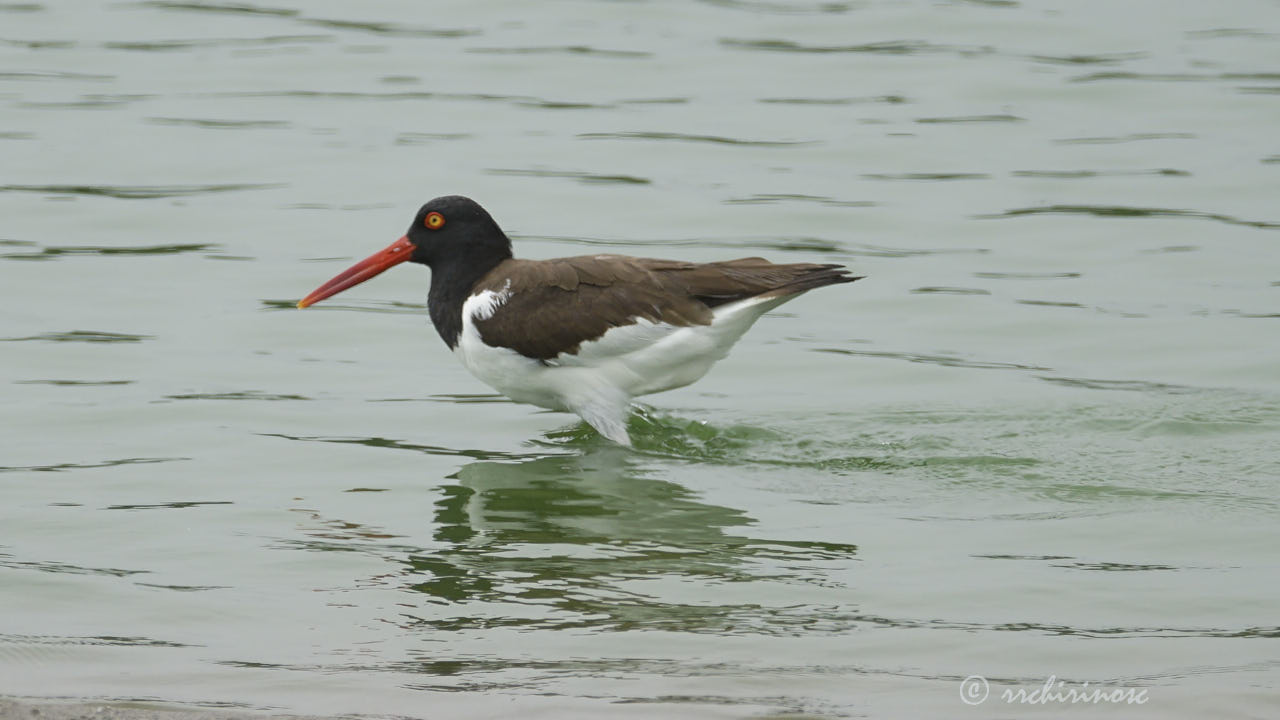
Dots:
pixel 554 306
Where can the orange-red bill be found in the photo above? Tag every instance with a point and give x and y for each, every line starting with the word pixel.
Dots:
pixel 372 266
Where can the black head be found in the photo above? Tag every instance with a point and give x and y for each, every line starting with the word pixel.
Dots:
pixel 451 234
pixel 455 231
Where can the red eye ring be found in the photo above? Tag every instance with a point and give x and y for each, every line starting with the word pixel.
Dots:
pixel 433 221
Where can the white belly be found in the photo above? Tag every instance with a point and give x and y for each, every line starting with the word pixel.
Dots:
pixel 602 377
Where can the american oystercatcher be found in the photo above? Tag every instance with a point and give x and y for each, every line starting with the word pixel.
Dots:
pixel 583 334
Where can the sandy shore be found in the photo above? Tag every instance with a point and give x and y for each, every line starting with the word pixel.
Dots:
pixel 11 709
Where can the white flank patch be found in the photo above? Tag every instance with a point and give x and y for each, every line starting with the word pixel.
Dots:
pixel 485 303
pixel 646 357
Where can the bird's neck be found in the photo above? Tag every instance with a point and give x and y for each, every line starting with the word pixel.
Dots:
pixel 451 284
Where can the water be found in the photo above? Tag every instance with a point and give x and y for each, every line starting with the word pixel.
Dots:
pixel 1040 439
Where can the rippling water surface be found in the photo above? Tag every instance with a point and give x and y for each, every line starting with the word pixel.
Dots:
pixel 1042 438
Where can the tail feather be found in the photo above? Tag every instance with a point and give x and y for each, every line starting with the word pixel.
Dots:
pixel 820 276
pixel 769 280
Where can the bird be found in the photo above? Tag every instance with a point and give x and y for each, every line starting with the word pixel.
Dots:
pixel 583 334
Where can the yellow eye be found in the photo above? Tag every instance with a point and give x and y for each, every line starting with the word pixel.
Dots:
pixel 433 221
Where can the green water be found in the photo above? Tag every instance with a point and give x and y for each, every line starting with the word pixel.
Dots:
pixel 1039 440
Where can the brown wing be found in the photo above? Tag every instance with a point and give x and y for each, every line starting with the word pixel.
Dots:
pixel 556 305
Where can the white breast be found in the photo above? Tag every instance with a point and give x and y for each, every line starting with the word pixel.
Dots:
pixel 503 369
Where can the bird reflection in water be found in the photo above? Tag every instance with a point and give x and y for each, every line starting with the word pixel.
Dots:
pixel 589 541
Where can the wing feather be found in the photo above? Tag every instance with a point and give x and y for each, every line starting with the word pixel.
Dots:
pixel 553 306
